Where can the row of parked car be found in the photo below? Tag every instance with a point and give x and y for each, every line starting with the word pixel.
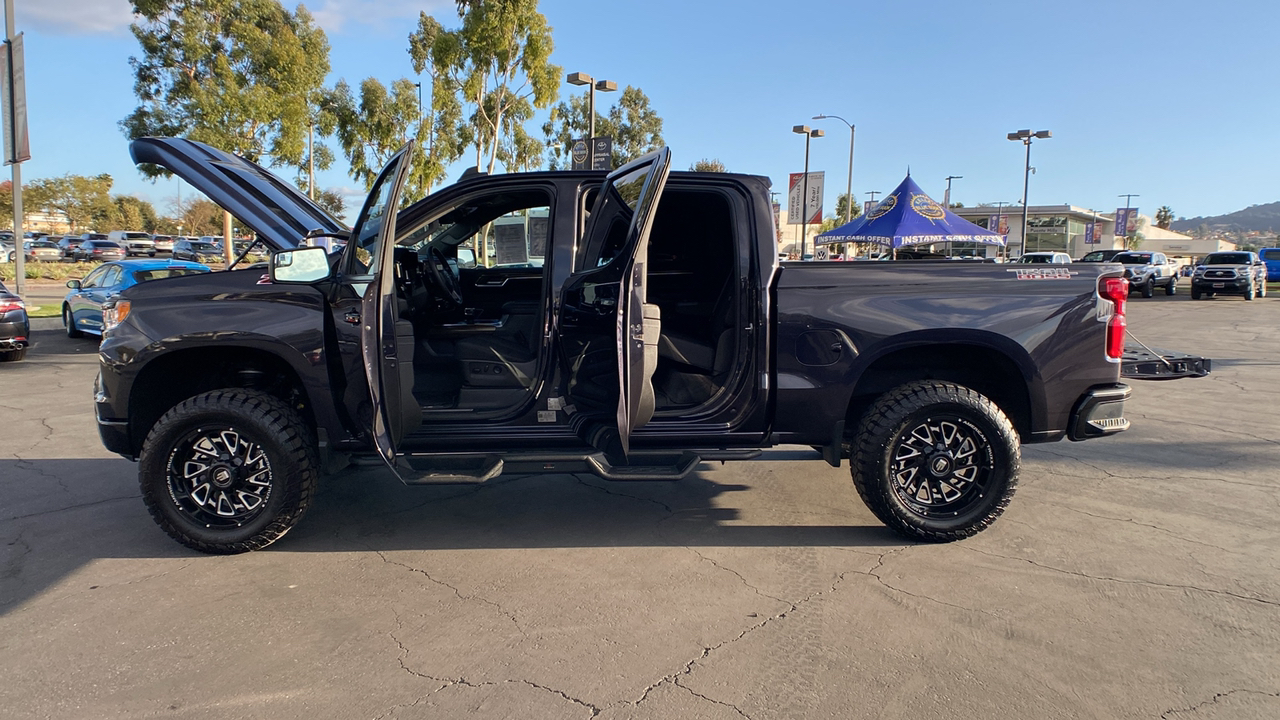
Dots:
pixel 88 247
pixel 1233 272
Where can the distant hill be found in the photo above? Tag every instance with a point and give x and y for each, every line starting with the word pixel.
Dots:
pixel 1260 218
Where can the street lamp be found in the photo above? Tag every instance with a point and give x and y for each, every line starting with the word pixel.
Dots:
pixel 1025 136
pixel 848 188
pixel 804 182
pixel 592 85
pixel 946 197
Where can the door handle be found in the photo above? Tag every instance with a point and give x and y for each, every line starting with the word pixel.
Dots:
pixel 485 282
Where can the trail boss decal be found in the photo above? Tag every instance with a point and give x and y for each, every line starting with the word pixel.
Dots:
pixel 1048 273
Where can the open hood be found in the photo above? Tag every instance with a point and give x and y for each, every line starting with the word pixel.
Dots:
pixel 279 213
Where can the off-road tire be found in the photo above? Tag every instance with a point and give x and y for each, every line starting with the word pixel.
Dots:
pixel 1149 288
pixel 1172 287
pixel 70 324
pixel 886 428
pixel 257 418
pixel 13 355
pixel 1195 292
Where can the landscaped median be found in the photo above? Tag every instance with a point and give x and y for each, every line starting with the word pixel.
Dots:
pixel 48 270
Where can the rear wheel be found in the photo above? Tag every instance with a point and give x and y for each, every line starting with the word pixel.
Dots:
pixel 228 471
pixel 1172 287
pixel 70 324
pixel 935 461
pixel 13 355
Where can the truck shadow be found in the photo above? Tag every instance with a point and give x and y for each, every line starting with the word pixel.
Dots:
pixel 59 515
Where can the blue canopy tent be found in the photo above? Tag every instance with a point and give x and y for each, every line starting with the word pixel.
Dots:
pixel 908 217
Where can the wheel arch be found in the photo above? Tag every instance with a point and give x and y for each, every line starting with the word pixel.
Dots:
pixel 167 380
pixel 977 363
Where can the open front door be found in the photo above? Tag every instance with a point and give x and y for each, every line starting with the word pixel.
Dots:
pixel 386 341
pixel 609 331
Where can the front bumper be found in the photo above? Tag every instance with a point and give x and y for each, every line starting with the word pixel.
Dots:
pixel 114 432
pixel 1220 285
pixel 1099 412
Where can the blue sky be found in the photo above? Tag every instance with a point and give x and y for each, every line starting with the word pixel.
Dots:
pixel 1169 99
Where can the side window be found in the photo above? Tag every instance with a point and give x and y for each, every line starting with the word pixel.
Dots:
pixel 92 279
pixel 112 277
pixel 510 228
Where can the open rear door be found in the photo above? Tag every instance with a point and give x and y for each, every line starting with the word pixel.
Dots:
pixel 386 341
pixel 608 330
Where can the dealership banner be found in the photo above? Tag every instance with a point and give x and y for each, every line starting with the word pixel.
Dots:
pixel 813 208
pixel 1126 221
pixel 866 207
pixel 1091 233
pixel 998 223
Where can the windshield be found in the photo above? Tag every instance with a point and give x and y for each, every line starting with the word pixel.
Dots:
pixel 1035 258
pixel 1133 258
pixel 203 247
pixel 1227 259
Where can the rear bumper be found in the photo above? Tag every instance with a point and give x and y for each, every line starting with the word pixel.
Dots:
pixel 13 335
pixel 1099 412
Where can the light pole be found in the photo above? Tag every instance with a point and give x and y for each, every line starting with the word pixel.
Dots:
pixel 946 197
pixel 592 86
pixel 848 188
pixel 1127 197
pixel 804 182
pixel 1025 136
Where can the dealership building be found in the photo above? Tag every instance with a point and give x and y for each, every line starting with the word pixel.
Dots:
pixel 1062 228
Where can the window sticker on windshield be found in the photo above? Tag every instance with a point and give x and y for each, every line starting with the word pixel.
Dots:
pixel 1046 273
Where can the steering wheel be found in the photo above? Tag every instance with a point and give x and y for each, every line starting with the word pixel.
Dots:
pixel 444 284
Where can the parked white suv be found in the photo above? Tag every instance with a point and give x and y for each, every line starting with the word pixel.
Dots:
pixel 1051 258
pixel 134 243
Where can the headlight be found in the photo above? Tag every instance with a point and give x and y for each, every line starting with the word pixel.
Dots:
pixel 115 313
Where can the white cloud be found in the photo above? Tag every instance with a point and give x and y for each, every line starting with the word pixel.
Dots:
pixel 74 17
pixel 335 15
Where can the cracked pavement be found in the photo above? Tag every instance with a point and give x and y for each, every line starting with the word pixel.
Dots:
pixel 1132 577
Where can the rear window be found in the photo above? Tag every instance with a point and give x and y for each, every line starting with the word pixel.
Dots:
pixel 1272 254
pixel 203 247
pixel 168 272
pixel 137 236
pixel 1035 258
pixel 1133 258
pixel 1227 259
pixel 96 236
pixel 103 244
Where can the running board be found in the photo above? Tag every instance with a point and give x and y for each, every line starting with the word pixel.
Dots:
pixel 473 468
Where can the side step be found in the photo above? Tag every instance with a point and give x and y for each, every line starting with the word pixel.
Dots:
pixel 471 468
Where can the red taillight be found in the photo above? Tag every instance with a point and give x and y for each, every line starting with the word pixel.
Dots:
pixel 1115 290
pixel 9 306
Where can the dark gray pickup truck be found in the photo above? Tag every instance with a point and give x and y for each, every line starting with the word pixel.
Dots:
pixel 634 325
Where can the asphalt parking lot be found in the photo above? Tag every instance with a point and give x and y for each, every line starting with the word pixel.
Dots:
pixel 1132 577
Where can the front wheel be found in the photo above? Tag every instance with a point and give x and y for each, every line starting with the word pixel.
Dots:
pixel 1195 292
pixel 228 471
pixel 1262 289
pixel 1248 293
pixel 69 322
pixel 1149 288
pixel 935 461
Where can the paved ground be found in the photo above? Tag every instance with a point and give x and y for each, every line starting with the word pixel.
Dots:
pixel 1133 577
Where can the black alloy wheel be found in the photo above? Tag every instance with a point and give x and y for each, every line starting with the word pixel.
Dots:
pixel 228 471
pixel 936 461
pixel 1172 287
pixel 1149 288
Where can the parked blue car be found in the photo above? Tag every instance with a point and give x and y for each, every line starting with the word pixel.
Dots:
pixel 1271 256
pixel 82 308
